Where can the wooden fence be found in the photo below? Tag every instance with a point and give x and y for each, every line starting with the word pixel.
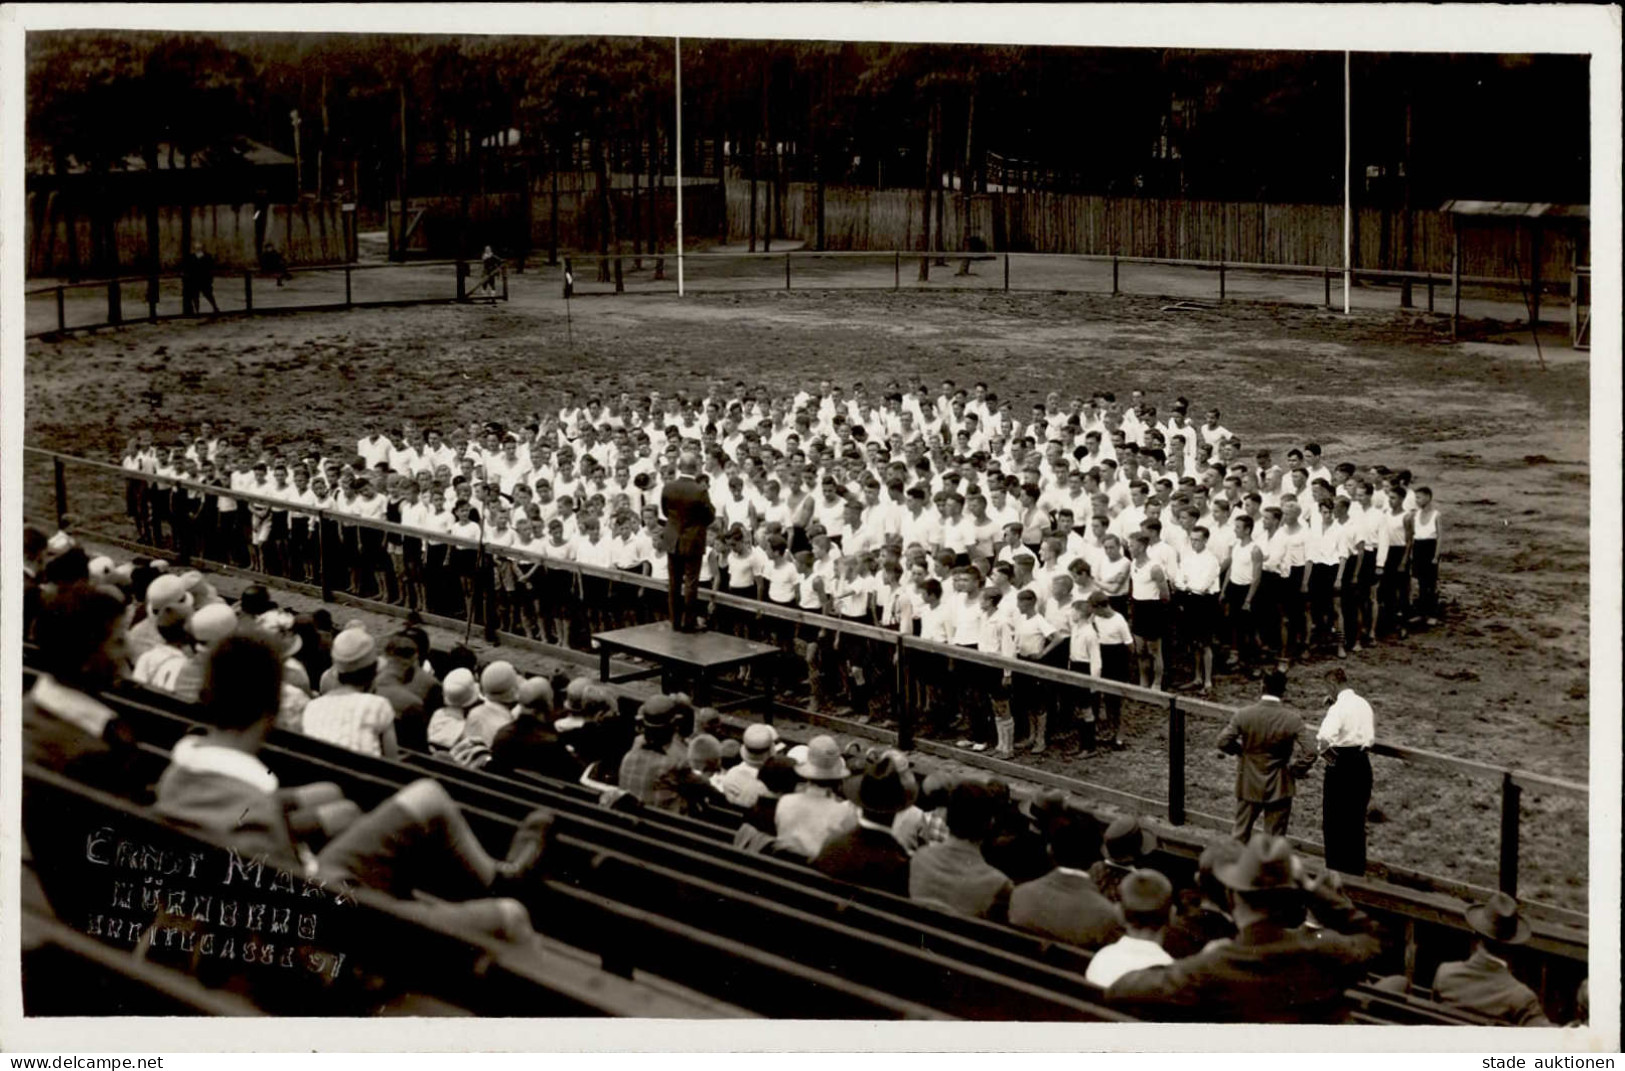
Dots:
pixel 1236 232
pixel 306 233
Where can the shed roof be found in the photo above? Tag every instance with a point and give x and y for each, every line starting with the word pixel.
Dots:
pixel 1517 210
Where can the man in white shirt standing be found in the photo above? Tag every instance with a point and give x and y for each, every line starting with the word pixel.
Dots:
pixel 1344 738
pixel 1144 899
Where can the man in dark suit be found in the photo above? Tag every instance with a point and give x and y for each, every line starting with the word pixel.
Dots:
pixel 869 854
pixel 1276 970
pixel 1483 982
pixel 1268 738
pixel 1065 904
pixel 688 511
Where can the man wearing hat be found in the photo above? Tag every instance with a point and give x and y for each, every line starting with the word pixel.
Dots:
pixel 651 769
pixel 170 610
pixel 812 814
pixel 1143 905
pixel 688 512
pixel 1125 846
pixel 1483 982
pixel 499 683
pixel 1276 970
pixel 869 853
pixel 1268 737
pixel 1065 904
pixel 741 785
pixel 350 715
pixel 168 597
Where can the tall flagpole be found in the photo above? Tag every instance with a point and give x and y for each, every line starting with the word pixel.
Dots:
pixel 679 48
pixel 1348 180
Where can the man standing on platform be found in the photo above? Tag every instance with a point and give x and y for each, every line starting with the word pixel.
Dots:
pixel 687 507
pixel 1345 734
pixel 1267 738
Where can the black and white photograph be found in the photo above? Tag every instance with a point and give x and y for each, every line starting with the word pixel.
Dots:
pixel 834 512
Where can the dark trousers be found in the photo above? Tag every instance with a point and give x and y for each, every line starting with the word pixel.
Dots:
pixel 1346 796
pixel 1425 567
pixel 684 572
pixel 1271 818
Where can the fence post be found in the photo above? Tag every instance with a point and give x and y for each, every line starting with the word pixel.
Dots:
pixel 461 279
pixel 897 269
pixel 248 290
pixel 1430 291
pixel 1221 280
pixel 505 279
pixel 787 271
pixel 322 573
pixel 61 490
pixel 152 298
pixel 1327 273
pixel 905 709
pixel 115 301
pixel 1176 763
pixel 1511 797
pixel 61 311
pixel 1114 273
pixel 1007 273
pixel 347 298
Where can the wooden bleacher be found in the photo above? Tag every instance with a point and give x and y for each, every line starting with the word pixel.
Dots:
pixel 667 894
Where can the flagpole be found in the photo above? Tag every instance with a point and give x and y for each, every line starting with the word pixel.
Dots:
pixel 1348 180
pixel 678 44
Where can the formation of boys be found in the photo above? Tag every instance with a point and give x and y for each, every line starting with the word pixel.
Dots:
pixel 1093 534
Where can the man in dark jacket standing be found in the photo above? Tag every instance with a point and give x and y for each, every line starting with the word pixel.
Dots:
pixel 1276 970
pixel 1267 737
pixel 869 853
pixel 688 511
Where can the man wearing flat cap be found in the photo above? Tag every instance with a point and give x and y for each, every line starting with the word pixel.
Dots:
pixel 1276 970
pixel 1483 982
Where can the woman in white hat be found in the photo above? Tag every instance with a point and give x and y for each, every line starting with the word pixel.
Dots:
pixel 457 694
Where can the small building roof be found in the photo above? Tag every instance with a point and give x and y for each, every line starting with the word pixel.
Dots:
pixel 1516 210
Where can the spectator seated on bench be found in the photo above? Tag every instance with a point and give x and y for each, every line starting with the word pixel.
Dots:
pixel 416 843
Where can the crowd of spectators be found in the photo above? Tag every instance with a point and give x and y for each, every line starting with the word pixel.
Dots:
pixel 1254 935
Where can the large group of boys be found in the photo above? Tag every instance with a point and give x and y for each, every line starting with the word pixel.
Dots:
pixel 1093 535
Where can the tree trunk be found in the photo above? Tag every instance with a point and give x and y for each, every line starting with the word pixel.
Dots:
pixel 936 185
pixel 637 206
pixel 400 241
pixel 1410 218
pixel 553 212
pixel 657 181
pixel 755 162
pixel 185 186
pixel 925 211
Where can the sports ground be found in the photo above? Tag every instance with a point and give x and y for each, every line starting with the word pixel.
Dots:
pixel 1501 435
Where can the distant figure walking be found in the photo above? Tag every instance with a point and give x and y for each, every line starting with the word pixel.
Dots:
pixel 490 264
pixel 197 281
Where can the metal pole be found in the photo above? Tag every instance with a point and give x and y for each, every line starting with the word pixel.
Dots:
pixel 677 44
pixel 1511 796
pixel 1348 180
pixel 1176 763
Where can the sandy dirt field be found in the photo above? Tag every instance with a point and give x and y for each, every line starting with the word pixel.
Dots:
pixel 1503 442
